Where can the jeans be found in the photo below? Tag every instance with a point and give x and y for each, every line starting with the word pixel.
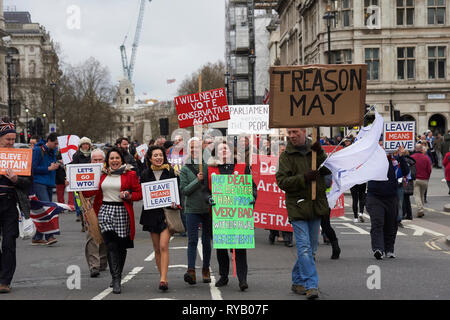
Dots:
pixel 307 237
pixel 193 221
pixel 43 193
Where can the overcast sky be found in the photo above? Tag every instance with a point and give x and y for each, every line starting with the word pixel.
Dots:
pixel 178 36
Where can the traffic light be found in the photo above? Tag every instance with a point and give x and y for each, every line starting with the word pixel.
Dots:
pixel 39 127
pixel 22 137
pixel 28 138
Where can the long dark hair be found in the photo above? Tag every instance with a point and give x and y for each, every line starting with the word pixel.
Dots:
pixel 149 153
pixel 114 149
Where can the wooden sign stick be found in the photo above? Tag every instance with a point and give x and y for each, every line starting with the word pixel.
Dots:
pixel 200 130
pixel 314 164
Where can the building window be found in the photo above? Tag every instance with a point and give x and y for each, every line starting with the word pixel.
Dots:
pixel 372 56
pixel 127 91
pixel 368 12
pixel 405 12
pixel 406 63
pixel 436 62
pixel 343 13
pixel 128 119
pixel 436 11
pixel 127 101
pixel 341 56
pixel 128 129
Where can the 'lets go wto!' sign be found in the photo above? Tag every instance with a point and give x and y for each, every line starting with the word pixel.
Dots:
pixel 84 177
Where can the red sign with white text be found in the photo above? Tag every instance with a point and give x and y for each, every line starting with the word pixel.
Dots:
pixel 202 108
pixel 270 207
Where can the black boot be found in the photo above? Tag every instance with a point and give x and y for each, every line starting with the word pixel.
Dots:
pixel 114 262
pixel 336 250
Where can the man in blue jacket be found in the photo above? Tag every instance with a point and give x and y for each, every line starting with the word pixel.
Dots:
pixel 44 173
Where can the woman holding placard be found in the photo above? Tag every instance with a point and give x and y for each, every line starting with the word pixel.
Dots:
pixel 224 163
pixel 153 221
pixel 119 187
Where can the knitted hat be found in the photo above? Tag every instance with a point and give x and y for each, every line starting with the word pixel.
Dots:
pixel 6 127
pixel 85 140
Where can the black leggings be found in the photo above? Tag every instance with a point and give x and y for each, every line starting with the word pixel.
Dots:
pixel 241 263
pixel 358 195
pixel 327 229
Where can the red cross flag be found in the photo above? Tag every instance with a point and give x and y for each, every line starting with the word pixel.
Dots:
pixel 68 145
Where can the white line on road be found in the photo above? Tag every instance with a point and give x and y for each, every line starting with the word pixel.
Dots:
pixel 130 276
pixel 215 292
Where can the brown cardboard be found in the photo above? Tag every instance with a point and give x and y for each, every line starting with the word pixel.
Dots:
pixel 309 92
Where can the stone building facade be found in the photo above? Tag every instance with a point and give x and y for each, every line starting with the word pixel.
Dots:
pixel 35 65
pixel 405 44
pixel 3 70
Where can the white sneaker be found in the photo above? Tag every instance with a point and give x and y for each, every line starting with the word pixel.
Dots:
pixel 389 255
pixel 355 220
pixel 443 180
pixel 360 217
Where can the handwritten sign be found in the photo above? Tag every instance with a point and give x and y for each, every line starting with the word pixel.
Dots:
pixel 202 108
pixel 233 225
pixel 160 194
pixel 84 177
pixel 249 119
pixel 399 134
pixel 142 151
pixel 19 160
pixel 317 95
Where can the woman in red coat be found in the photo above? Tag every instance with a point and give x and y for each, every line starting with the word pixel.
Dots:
pixel 119 187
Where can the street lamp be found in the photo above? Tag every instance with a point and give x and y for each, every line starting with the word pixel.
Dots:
pixel 53 85
pixel 26 111
pixel 252 59
pixel 328 16
pixel 8 60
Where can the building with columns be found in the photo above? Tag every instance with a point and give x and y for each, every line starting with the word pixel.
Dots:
pixel 3 70
pixel 34 67
pixel 405 44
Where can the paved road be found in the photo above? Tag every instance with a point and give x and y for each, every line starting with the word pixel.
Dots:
pixel 420 270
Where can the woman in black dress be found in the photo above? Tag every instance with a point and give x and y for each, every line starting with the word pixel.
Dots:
pixel 153 221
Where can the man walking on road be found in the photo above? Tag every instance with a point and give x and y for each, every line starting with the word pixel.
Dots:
pixel 44 175
pixel 423 172
pixel 13 191
pixel 295 177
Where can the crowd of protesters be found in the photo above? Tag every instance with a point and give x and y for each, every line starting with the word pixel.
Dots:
pixel 387 202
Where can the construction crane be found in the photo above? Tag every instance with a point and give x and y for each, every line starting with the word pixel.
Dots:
pixel 128 68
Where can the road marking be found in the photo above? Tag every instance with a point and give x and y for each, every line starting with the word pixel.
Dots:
pixel 177 248
pixel 130 276
pixel 432 210
pixel 351 226
pixel 178 266
pixel 150 257
pixel 215 292
pixel 419 231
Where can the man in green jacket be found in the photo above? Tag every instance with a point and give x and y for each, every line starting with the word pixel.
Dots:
pixel 295 177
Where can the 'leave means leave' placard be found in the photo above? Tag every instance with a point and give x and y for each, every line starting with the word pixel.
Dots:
pixel 160 194
pixel 399 134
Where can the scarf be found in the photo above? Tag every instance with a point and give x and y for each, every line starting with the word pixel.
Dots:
pixel 123 168
pixel 162 167
pixel 86 153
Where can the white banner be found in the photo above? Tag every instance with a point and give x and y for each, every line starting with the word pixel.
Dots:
pixel 160 194
pixel 249 119
pixel 83 177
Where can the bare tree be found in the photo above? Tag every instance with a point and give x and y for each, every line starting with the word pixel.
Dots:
pixel 212 78
pixel 86 95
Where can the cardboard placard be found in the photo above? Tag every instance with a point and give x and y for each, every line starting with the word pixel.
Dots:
pixel 83 177
pixel 399 134
pixel 202 108
pixel 160 194
pixel 233 221
pixel 19 160
pixel 142 151
pixel 317 95
pixel 249 119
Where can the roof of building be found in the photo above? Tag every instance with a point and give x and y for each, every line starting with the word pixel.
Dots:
pixel 22 17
